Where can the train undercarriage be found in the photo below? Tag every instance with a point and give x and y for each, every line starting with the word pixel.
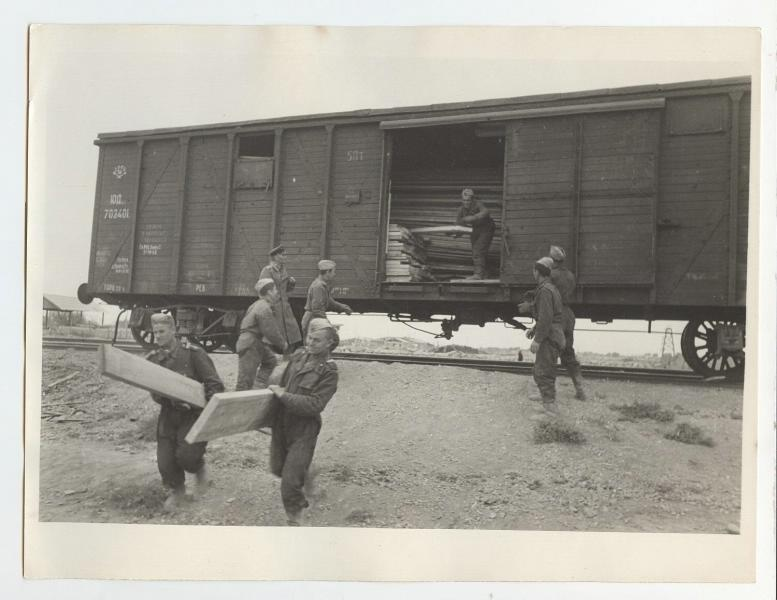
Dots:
pixel 713 345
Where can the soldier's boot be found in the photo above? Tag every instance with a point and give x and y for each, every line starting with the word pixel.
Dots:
pixel 175 499
pixel 577 379
pixel 202 481
pixel 294 519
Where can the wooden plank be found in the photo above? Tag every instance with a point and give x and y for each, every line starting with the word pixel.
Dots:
pixel 229 413
pixel 146 375
pixel 733 196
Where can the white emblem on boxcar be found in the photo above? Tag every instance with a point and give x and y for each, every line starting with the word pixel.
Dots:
pixel 119 171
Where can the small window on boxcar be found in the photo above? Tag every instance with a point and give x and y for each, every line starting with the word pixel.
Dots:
pixel 255 162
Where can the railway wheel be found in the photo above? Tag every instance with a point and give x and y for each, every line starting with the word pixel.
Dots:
pixel 144 337
pixel 709 349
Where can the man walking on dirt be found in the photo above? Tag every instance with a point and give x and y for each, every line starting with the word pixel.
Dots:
pixel 176 457
pixel 259 330
pixel 548 333
pixel 307 385
pixel 564 280
pixel 474 214
pixel 285 283
pixel 319 298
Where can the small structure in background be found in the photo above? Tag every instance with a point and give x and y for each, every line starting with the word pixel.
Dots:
pixel 64 310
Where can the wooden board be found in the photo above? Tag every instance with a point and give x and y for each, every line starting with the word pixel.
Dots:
pixel 146 375
pixel 449 229
pixel 229 413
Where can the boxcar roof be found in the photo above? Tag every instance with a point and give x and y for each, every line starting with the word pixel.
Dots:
pixel 451 107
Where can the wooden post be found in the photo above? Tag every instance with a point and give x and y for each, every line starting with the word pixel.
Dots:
pixel 577 199
pixel 178 239
pixel 276 184
pixel 135 211
pixel 656 191
pixel 146 375
pixel 92 276
pixel 227 211
pixel 384 206
pixel 323 242
pixel 733 198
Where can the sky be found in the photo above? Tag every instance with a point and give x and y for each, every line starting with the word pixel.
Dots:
pixel 86 80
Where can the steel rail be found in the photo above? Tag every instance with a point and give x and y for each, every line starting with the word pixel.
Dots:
pixel 504 366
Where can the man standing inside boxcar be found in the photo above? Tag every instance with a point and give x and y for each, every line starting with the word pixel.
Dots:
pixel 307 385
pixel 564 280
pixel 175 457
pixel 548 340
pixel 285 283
pixel 258 331
pixel 474 214
pixel 319 298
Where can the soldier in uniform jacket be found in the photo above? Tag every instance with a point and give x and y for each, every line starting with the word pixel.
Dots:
pixel 255 358
pixel 474 214
pixel 175 456
pixel 564 280
pixel 319 297
pixel 548 337
pixel 285 283
pixel 308 384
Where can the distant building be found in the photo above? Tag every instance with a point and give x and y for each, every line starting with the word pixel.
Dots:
pixel 70 310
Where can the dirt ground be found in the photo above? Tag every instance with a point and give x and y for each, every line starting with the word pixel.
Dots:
pixel 409 446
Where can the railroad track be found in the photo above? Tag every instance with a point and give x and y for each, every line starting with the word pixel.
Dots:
pixel 520 368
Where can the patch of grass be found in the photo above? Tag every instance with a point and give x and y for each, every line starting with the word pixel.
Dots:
pixel 690 434
pixel 358 517
pixel 556 430
pixel 643 410
pixel 139 500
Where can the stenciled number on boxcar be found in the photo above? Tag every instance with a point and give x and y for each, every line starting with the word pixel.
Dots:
pixel 353 155
pixel 115 213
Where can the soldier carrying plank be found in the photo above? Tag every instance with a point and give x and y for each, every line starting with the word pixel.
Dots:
pixel 176 457
pixel 308 384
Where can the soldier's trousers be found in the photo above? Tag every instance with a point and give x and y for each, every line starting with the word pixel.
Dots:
pixel 545 370
pixel 290 460
pixel 254 366
pixel 174 456
pixel 567 355
pixel 481 242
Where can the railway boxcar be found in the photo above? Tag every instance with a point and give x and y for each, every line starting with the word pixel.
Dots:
pixel 646 187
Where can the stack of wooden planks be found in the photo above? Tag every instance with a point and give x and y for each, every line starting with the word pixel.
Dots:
pixel 406 256
pixel 425 203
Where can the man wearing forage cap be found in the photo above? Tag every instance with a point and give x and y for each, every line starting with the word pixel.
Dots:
pixel 285 283
pixel 319 299
pixel 308 384
pixel 564 280
pixel 259 328
pixel 548 333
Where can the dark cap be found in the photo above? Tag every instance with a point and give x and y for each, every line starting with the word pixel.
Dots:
pixel 277 250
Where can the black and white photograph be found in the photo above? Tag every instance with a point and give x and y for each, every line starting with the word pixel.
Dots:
pixel 321 281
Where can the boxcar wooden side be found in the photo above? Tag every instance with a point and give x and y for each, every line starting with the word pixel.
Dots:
pixel 646 188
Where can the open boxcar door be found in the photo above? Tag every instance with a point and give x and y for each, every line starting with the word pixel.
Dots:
pixel 587 182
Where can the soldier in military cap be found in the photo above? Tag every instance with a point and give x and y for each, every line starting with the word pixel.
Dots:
pixel 258 331
pixel 307 385
pixel 176 457
pixel 319 297
pixel 285 283
pixel 473 213
pixel 564 280
pixel 548 333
